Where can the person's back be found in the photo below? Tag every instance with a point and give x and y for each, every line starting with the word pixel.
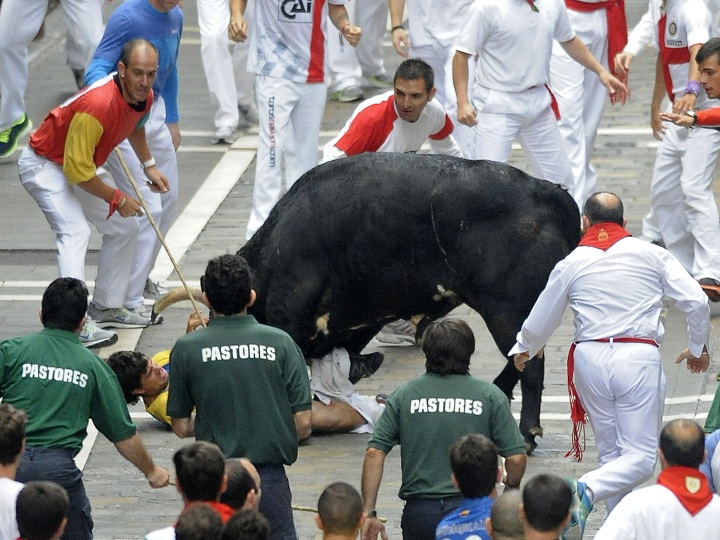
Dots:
pixel 41 508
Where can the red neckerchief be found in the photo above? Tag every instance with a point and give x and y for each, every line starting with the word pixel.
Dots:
pixel 616 24
pixel 222 509
pixel 689 485
pixel 603 235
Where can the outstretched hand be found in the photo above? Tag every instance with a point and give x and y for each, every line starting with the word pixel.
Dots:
pixel 694 364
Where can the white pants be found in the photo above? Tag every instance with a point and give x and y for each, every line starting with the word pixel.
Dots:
pixel 346 64
pixel 160 205
pixel 622 388
pixel 68 209
pixel 581 97
pixel 20 21
pixel 290 117
pixel 526 115
pixel 226 92
pixel 682 198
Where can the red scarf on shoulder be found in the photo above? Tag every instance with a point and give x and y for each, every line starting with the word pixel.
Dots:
pixel 689 485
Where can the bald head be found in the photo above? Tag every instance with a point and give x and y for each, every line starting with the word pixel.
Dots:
pixel 504 522
pixel 682 443
pixel 243 488
pixel 604 207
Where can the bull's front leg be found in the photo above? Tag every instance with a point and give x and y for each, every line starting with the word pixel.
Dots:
pixel 531 384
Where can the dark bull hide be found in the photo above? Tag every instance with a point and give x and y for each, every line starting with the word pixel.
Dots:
pixel 364 240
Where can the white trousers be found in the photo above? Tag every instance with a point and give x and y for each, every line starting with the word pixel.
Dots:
pixel 682 198
pixel 160 205
pixel 526 115
pixel 290 117
pixel 68 209
pixel 226 92
pixel 581 97
pixel 20 21
pixel 622 387
pixel 346 64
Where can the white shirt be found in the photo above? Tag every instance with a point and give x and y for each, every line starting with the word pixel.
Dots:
pixel 288 39
pixel 514 43
pixel 654 513
pixel 9 490
pixel 687 24
pixel 376 127
pixel 616 293
pixel 436 21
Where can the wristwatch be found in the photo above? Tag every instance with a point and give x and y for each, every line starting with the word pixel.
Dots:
pixel 371 513
pixel 692 115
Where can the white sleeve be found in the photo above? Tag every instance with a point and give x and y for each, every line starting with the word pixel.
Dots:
pixel 447 146
pixel 619 524
pixel 331 152
pixel 642 35
pixel 691 300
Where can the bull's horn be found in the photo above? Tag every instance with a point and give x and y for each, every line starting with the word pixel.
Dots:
pixel 173 297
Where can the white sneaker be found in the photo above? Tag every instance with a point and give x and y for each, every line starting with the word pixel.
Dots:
pixel 94 336
pixel 117 318
pixel 153 290
pixel 224 135
pixel 400 333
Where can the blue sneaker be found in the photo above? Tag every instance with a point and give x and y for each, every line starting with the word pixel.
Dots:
pixel 9 137
pixel 580 509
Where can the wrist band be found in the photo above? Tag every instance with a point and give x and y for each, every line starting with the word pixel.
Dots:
pixel 149 163
pixel 118 196
pixel 692 87
pixel 398 27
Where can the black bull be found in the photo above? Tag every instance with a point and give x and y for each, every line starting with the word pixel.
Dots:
pixel 364 240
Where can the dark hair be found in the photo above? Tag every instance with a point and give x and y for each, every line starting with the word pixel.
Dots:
pixel 200 469
pixel 64 304
pixel 546 500
pixel 131 45
pixel 227 283
pixel 198 521
pixel 505 516
pixel 40 509
pixel 414 68
pixel 683 443
pixel 709 48
pixel 12 433
pixel 246 524
pixel 474 462
pixel 340 508
pixel 604 207
pixel 239 483
pixel 129 367
pixel 448 345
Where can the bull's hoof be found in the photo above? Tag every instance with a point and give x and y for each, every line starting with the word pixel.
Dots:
pixel 364 365
pixel 530 444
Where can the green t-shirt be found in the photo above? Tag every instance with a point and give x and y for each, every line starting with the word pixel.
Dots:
pixel 245 381
pixel 61 385
pixel 426 415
